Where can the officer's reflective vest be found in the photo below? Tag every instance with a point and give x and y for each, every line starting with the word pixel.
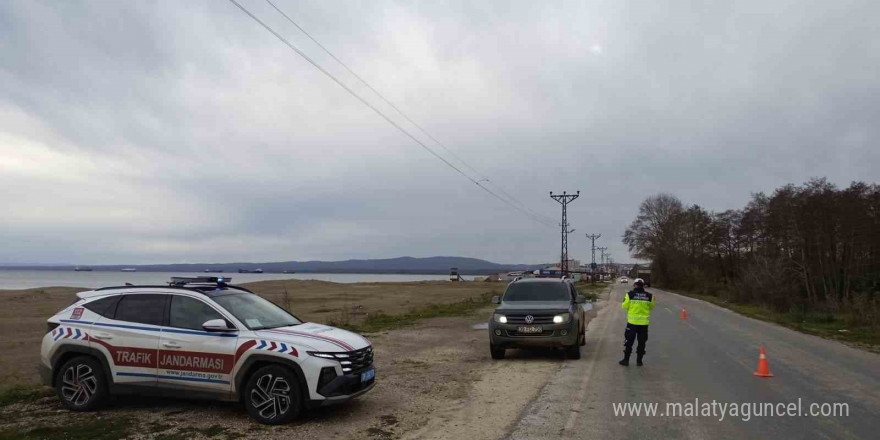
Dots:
pixel 638 305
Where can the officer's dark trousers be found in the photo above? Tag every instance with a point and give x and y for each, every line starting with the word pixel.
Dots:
pixel 632 333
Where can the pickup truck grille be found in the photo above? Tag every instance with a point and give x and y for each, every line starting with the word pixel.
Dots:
pixel 540 318
pixel 545 333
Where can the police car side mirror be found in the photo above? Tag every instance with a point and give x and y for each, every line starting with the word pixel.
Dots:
pixel 217 325
pixel 496 299
pixel 580 299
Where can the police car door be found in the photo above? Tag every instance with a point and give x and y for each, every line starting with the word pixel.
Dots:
pixel 189 356
pixel 129 337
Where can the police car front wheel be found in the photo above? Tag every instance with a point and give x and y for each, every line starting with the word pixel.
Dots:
pixel 272 395
pixel 80 384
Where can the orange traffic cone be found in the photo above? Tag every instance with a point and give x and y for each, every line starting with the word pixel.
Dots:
pixel 684 313
pixel 763 368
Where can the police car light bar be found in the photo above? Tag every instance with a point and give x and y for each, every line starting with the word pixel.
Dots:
pixel 182 281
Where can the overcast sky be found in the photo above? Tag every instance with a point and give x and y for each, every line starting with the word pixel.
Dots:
pixel 140 132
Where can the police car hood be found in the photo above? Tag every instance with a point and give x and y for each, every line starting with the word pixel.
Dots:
pixel 319 337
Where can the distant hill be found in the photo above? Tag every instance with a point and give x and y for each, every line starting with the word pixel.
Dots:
pixel 401 265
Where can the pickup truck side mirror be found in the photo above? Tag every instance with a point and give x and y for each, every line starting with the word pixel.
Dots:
pixel 496 299
pixel 217 325
pixel 580 299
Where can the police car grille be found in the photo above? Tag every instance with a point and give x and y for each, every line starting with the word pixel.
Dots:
pixel 357 360
pixel 521 319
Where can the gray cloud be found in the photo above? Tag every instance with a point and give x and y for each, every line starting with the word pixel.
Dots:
pixel 181 131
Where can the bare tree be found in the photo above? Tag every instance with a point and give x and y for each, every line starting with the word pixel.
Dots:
pixel 808 247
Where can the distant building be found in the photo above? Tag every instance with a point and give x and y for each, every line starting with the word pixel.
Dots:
pixel 572 265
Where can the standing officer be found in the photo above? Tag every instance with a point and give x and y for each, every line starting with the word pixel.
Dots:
pixel 638 305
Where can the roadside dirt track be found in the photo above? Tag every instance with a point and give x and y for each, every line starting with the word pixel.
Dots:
pixel 436 380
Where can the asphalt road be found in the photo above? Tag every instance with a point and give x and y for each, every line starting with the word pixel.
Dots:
pixel 709 356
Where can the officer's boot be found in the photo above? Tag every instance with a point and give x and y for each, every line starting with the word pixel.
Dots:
pixel 639 359
pixel 625 360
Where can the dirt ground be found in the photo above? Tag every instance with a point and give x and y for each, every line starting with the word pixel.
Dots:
pixel 434 379
pixel 24 312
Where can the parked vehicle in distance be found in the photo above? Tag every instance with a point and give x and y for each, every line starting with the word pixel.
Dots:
pixel 538 312
pixel 645 275
pixel 624 280
pixel 200 337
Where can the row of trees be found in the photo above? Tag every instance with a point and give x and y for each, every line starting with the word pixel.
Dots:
pixel 812 247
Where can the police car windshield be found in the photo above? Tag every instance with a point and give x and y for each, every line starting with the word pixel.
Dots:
pixel 256 313
pixel 537 292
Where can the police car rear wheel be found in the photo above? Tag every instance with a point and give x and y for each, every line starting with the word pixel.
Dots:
pixel 272 395
pixel 80 384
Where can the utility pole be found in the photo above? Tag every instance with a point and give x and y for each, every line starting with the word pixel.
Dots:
pixel 564 199
pixel 568 231
pixel 603 249
pixel 593 238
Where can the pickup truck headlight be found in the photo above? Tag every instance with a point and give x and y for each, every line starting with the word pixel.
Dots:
pixel 562 318
pixel 500 318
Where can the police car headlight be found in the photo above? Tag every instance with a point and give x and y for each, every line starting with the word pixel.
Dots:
pixel 559 319
pixel 500 318
pixel 322 355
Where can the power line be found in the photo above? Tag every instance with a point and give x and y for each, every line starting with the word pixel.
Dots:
pixel 401 113
pixel 379 112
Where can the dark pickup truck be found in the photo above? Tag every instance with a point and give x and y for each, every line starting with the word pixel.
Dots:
pixel 538 312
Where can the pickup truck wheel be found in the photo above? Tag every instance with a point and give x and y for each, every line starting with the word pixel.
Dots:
pixel 497 353
pixel 573 351
pixel 583 337
pixel 80 384
pixel 272 395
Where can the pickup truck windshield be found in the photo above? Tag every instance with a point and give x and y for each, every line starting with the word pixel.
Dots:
pixel 537 292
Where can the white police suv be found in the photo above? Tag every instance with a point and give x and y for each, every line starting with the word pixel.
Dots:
pixel 200 337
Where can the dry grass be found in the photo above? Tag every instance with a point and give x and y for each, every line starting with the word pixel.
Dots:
pixel 23 317
pixel 322 301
